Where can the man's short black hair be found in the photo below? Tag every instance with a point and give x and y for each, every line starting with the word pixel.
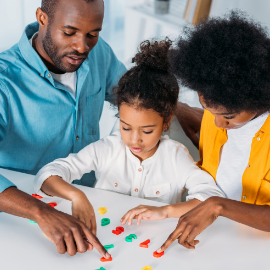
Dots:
pixel 227 61
pixel 50 6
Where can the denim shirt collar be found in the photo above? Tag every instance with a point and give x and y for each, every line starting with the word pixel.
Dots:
pixel 28 52
pixel 33 59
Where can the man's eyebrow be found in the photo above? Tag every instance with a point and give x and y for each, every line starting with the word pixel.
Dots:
pixel 74 28
pixel 70 27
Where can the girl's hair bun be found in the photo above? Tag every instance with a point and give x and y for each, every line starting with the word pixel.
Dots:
pixel 154 55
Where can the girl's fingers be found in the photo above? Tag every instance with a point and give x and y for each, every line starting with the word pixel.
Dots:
pixel 134 213
pixel 125 218
pixel 143 215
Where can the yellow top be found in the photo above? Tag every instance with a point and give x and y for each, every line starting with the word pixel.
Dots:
pixel 256 177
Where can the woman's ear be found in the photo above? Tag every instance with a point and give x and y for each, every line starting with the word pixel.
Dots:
pixel 167 124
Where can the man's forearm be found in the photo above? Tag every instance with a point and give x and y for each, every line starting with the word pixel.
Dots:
pixel 256 216
pixel 18 203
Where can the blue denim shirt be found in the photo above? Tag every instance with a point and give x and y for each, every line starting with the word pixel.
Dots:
pixel 39 118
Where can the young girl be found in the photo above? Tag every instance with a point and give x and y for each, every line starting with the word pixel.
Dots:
pixel 136 160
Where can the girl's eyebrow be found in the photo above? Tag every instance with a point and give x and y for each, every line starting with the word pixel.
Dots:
pixel 124 122
pixel 149 126
pixel 141 127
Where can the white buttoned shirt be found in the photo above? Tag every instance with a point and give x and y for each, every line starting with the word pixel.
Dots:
pixel 162 177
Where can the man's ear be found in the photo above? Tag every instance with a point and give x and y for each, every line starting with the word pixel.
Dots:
pixel 167 125
pixel 42 17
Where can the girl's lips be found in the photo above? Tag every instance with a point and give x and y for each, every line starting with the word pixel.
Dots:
pixel 136 150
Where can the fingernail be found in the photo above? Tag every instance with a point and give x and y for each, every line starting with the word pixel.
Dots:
pixel 107 255
pixel 121 220
pixel 159 250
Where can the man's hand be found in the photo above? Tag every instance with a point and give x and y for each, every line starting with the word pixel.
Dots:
pixel 192 224
pixel 190 119
pixel 68 233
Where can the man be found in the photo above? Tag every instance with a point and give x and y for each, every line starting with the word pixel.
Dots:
pixel 53 84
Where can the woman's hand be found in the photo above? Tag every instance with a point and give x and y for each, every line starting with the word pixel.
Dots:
pixel 145 212
pixel 84 211
pixel 192 224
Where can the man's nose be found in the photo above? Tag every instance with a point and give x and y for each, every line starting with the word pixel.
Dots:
pixel 81 45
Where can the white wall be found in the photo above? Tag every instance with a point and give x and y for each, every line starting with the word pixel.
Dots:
pixel 257 9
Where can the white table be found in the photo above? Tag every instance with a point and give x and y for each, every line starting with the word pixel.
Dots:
pixel 224 245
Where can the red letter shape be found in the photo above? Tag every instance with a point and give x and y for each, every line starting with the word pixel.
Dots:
pixel 158 255
pixel 52 204
pixel 106 260
pixel 145 244
pixel 37 196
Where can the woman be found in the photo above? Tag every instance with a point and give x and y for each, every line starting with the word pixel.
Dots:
pixel 227 61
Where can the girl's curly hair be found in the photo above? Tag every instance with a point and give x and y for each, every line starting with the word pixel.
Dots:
pixel 227 61
pixel 150 84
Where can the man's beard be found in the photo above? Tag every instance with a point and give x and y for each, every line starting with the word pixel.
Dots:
pixel 51 51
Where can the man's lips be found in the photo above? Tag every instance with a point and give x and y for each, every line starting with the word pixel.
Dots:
pixel 75 60
pixel 136 150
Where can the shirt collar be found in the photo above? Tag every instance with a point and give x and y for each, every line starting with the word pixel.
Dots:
pixel 266 126
pixel 28 52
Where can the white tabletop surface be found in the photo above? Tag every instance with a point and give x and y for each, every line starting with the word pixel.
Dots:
pixel 224 245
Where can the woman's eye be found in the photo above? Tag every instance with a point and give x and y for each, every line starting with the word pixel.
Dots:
pixel 229 117
pixel 147 132
pixel 68 34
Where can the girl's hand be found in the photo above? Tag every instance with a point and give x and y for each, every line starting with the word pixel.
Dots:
pixel 145 212
pixel 83 210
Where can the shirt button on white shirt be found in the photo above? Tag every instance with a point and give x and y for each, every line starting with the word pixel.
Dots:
pixel 116 185
pixel 136 190
pixel 140 169
pixel 157 192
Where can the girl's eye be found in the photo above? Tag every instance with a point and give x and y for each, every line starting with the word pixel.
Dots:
pixel 125 129
pixel 68 34
pixel 149 132
pixel 229 117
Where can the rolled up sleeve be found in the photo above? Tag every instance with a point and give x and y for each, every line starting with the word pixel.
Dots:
pixel 5 183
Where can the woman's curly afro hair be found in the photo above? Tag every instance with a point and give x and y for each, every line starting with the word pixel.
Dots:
pixel 227 61
pixel 150 84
